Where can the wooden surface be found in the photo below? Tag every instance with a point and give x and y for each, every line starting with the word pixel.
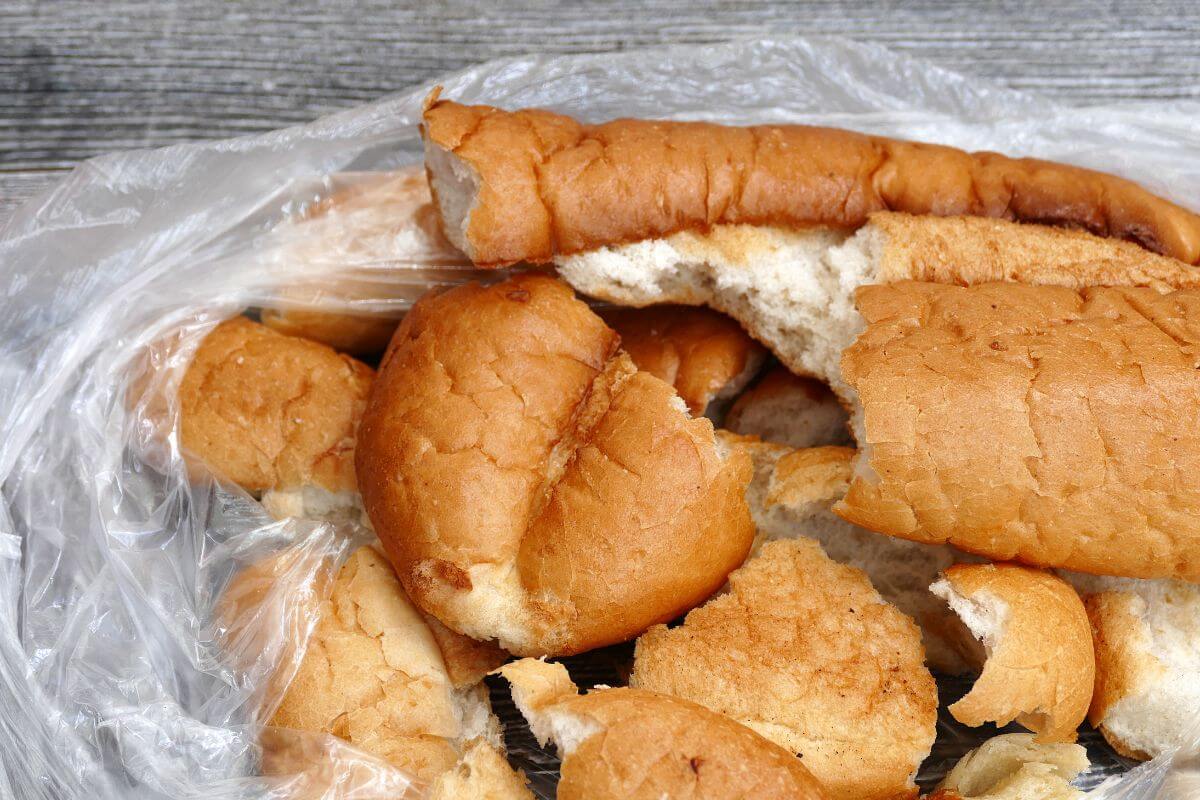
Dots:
pixel 79 79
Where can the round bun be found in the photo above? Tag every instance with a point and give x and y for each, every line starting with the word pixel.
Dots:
pixel 1040 665
pixel 530 485
pixel 704 354
pixel 805 652
pixel 269 411
pixel 373 675
pixel 629 744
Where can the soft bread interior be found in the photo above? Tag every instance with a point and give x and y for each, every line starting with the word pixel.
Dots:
pixel 455 186
pixel 1148 662
pixel 984 615
pixel 798 297
pixel 1015 767
pixel 536 688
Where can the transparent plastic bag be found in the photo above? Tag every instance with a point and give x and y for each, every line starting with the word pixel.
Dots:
pixel 117 675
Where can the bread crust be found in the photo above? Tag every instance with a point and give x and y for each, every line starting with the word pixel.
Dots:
pixel 1040 666
pixel 511 461
pixel 269 411
pixel 547 185
pixel 805 652
pixel 643 745
pixel 702 353
pixel 1044 425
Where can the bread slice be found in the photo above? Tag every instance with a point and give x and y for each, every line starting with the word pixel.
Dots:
pixel 1147 639
pixel 333 253
pixel 805 652
pixel 791 495
pixel 630 744
pixel 1040 665
pixel 787 409
pixel 532 185
pixel 1015 766
pixel 706 356
pixel 372 673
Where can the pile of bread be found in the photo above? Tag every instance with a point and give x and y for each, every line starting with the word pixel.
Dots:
pixel 828 412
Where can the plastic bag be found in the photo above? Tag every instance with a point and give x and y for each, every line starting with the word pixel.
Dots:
pixel 117 679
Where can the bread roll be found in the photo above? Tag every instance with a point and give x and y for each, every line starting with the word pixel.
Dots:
pixel 1040 665
pixel 791 496
pixel 805 652
pixel 1045 425
pixel 380 218
pixel 1147 639
pixel 276 414
pixel 629 744
pixel 787 409
pixel 531 185
pixel 530 485
pixel 706 356
pixel 1015 767
pixel 373 675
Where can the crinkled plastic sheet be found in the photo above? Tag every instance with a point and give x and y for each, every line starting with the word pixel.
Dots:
pixel 121 676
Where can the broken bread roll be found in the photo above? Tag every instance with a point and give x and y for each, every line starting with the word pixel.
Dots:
pixel 531 485
pixel 630 744
pixel 373 675
pixel 805 652
pixel 531 185
pixel 1015 766
pixel 378 218
pixel 277 415
pixel 1045 425
pixel 1147 639
pixel 791 496
pixel 1040 666
pixel 706 356
pixel 788 409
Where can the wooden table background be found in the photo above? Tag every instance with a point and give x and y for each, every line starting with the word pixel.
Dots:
pixel 78 79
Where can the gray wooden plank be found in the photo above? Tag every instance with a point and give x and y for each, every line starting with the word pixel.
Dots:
pixel 79 77
pixel 17 187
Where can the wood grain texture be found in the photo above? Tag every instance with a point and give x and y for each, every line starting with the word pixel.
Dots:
pixel 80 78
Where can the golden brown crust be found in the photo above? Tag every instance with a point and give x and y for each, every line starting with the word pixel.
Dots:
pixel 550 185
pixel 372 674
pixel 1040 668
pixel 805 652
pixel 697 350
pixel 467 660
pixel 1037 424
pixel 513 464
pixel 269 411
pixel 641 744
pixel 1122 660
pixel 969 250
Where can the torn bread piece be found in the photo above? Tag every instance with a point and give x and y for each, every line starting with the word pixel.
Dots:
pixel 277 415
pixel 631 744
pixel 531 185
pixel 378 218
pixel 791 496
pixel 793 290
pixel 1015 766
pixel 785 408
pixel 1040 665
pixel 531 485
pixel 1147 639
pixel 372 674
pixel 805 652
pixel 1045 425
pixel 705 355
